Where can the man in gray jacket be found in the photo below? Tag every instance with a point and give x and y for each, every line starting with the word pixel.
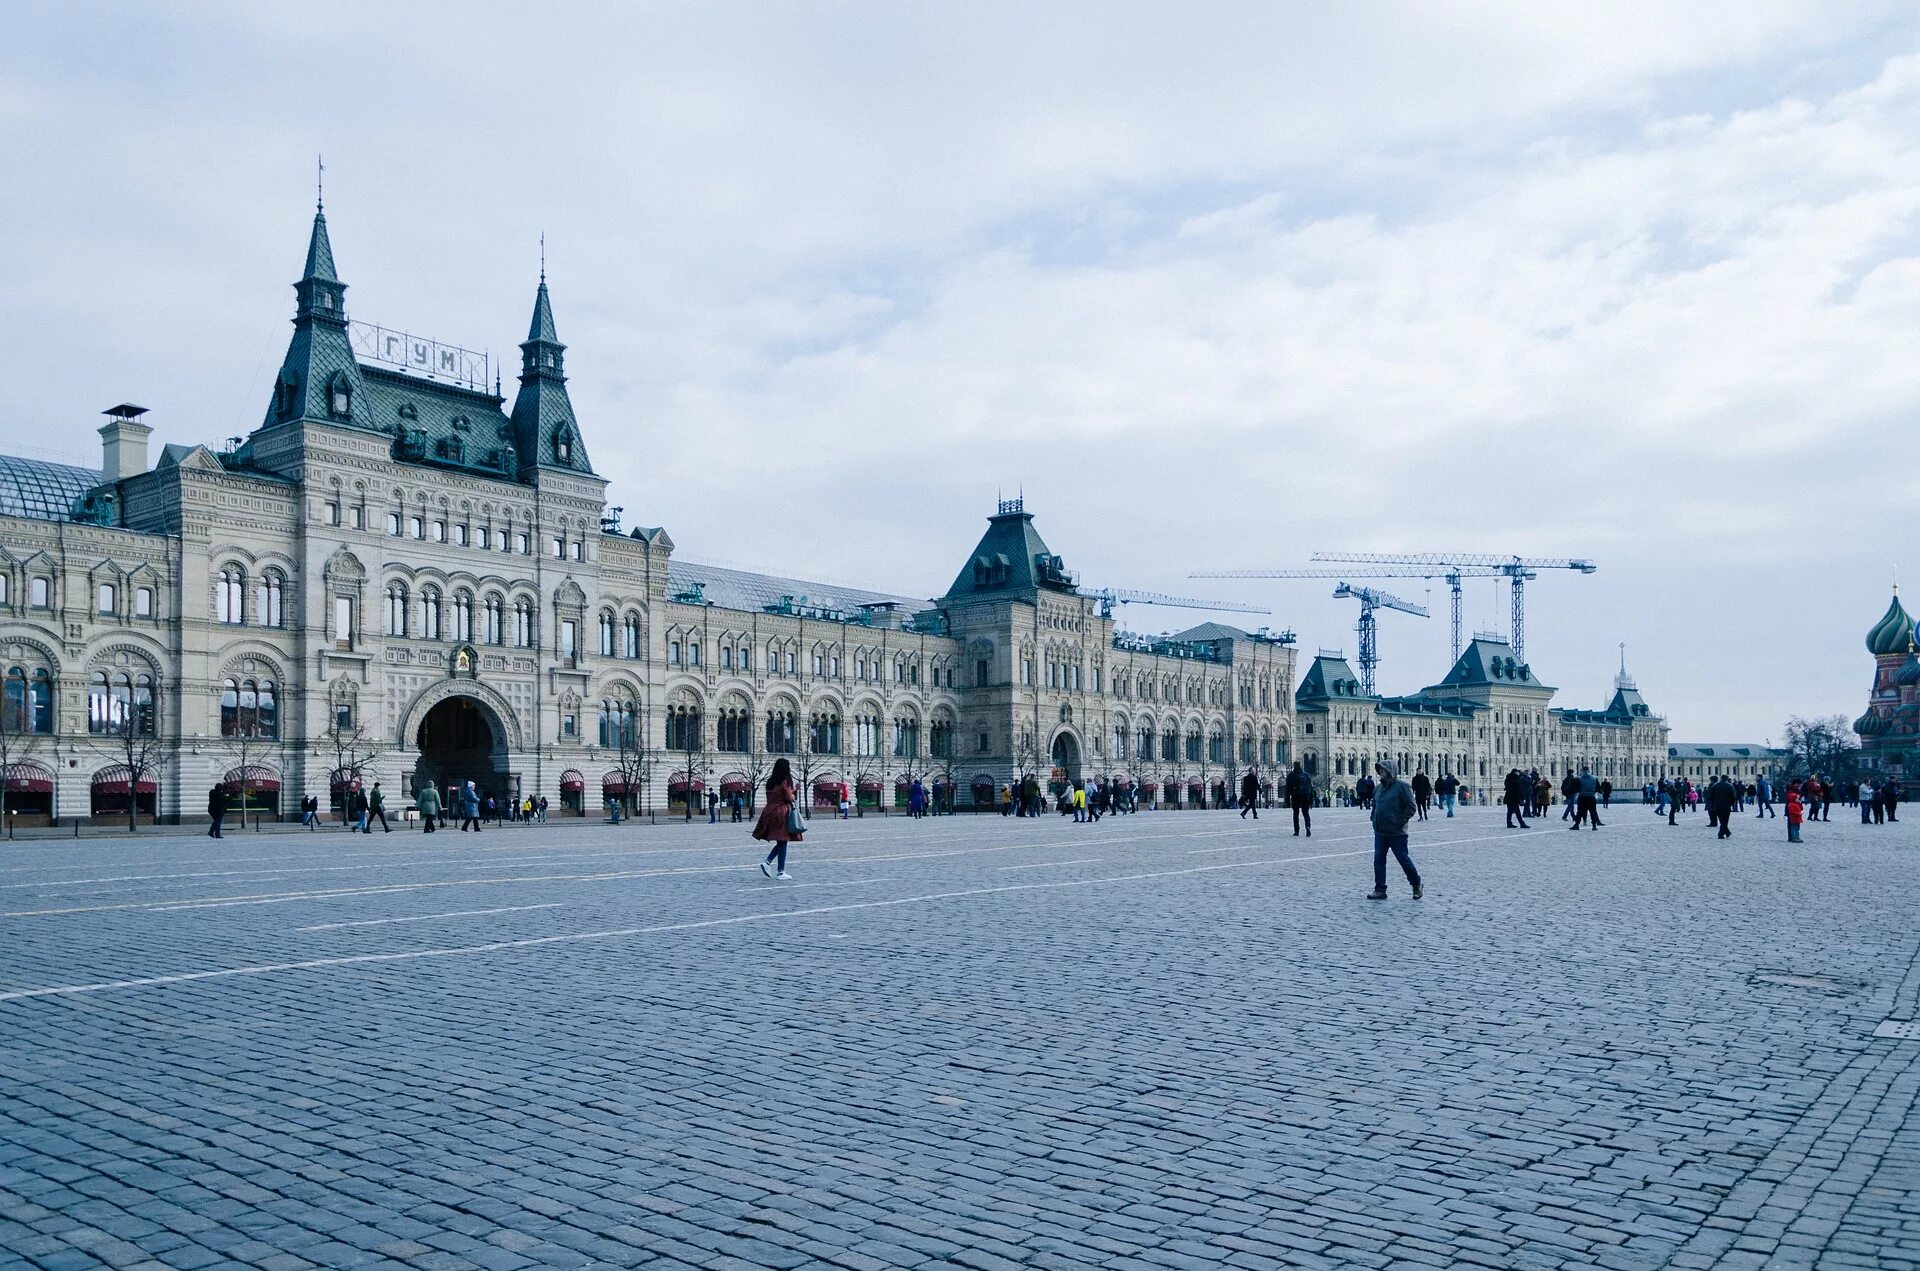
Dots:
pixel 1393 807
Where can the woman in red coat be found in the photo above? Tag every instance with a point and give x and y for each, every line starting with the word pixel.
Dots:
pixel 779 822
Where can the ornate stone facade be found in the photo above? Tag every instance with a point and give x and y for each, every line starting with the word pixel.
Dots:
pixel 398 578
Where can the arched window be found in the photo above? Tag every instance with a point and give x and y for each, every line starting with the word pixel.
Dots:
pixel 617 720
pixel 100 705
pixel 494 630
pixel 906 738
pixel 823 733
pixel 630 639
pixel 462 615
pixel 780 734
pixel 606 635
pixel 267 599
pixel 734 730
pixel 396 609
pixel 105 597
pixel 940 739
pixel 230 595
pixel 339 394
pixel 683 727
pixel 143 705
pixel 430 613
pixel 249 708
pixel 523 632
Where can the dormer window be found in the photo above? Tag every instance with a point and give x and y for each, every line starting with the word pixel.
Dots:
pixel 339 399
pixel 563 446
pixel 409 411
pixel 460 422
pixel 289 395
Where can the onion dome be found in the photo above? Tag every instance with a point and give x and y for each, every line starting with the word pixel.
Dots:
pixel 1871 725
pixel 1909 673
pixel 1892 633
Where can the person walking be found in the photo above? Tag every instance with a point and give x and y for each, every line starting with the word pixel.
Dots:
pixel 1606 794
pixel 1250 795
pixel 1869 801
pixel 1794 813
pixel 377 806
pixel 1448 788
pixel 357 808
pixel 1392 808
pixel 1890 798
pixel 1721 797
pixel 780 822
pixel 1570 797
pixel 1513 793
pixel 1299 789
pixel 216 811
pixel 469 808
pixel 1363 791
pixel 428 801
pixel 310 812
pixel 1422 792
pixel 1763 797
pixel 1587 791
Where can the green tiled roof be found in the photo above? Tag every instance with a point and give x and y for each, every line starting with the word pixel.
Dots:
pixel 1011 560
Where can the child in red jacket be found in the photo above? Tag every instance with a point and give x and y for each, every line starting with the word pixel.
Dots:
pixel 1795 813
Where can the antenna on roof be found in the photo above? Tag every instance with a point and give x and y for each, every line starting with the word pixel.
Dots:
pixel 543 256
pixel 320 183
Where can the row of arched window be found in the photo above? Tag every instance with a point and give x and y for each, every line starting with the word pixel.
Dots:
pixel 436 618
pixel 620 637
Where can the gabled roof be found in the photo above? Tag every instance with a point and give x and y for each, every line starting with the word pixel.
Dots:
pixel 1011 560
pixel 1329 676
pixel 436 423
pixel 1724 751
pixel 1489 661
pixel 1208 631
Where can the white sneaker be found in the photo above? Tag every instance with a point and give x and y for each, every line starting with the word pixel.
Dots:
pixel 785 877
pixel 766 869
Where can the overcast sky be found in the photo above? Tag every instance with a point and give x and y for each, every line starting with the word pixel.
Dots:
pixel 1218 286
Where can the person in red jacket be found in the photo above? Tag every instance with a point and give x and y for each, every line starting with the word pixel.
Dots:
pixel 1795 812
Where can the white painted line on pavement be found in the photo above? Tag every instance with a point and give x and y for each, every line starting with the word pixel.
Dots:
pixel 579 937
pixel 1084 860
pixel 458 913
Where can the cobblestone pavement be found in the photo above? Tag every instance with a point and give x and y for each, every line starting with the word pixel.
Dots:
pixel 1167 1040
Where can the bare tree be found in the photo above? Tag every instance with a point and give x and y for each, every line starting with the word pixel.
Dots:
pixel 354 750
pixel 17 745
pixel 1823 744
pixel 632 756
pixel 133 740
pixel 247 750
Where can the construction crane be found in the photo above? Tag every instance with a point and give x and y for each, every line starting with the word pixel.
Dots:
pixel 1517 570
pixel 1451 574
pixel 1371 600
pixel 1111 596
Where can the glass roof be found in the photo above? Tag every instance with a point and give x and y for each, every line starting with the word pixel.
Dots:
pixel 42 490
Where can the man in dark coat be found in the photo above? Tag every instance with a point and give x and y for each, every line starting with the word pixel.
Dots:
pixel 1300 798
pixel 216 810
pixel 1890 798
pixel 1363 791
pixel 1250 795
pixel 1422 793
pixel 1393 807
pixel 1720 800
pixel 1515 792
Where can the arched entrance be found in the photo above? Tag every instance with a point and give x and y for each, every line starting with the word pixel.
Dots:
pixel 461 740
pixel 1066 761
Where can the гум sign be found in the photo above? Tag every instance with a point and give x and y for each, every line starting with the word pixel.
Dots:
pixel 412 353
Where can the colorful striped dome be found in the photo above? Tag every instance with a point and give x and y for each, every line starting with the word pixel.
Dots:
pixel 1870 725
pixel 1909 672
pixel 1892 633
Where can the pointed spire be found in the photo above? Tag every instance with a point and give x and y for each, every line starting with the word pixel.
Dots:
pixel 540 330
pixel 319 253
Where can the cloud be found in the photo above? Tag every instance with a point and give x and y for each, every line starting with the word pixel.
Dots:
pixel 1625 281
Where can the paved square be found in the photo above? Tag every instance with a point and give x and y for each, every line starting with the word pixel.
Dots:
pixel 1166 1040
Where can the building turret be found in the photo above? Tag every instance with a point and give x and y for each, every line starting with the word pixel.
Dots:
pixel 544 432
pixel 319 379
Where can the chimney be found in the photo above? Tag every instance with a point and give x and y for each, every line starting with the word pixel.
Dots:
pixel 123 443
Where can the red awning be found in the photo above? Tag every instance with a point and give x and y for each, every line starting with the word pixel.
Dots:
pixel 120 787
pixel 1196 785
pixel 29 779
pixel 1149 787
pixel 572 782
pixel 680 787
pixel 611 785
pixel 869 783
pixel 257 785
pixel 734 785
